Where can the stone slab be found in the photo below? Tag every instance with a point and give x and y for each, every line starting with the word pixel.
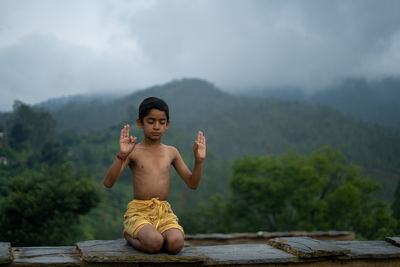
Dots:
pixel 119 251
pixel 244 254
pixel 63 255
pixel 5 253
pixel 369 249
pixel 267 235
pixel 393 240
pixel 305 247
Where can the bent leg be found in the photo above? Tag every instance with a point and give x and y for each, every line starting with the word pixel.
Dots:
pixel 173 240
pixel 148 239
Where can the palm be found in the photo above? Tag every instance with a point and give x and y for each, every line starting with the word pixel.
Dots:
pixel 199 147
pixel 126 142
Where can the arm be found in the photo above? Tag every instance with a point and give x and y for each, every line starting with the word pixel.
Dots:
pixel 126 145
pixel 192 179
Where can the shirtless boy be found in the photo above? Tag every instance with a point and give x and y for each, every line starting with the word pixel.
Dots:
pixel 150 224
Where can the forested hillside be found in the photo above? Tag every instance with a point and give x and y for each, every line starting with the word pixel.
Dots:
pixel 370 101
pixel 235 126
pixel 373 101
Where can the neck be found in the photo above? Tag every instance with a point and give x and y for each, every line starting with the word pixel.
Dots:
pixel 150 142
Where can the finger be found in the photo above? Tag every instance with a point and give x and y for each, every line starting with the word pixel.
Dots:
pixel 126 131
pixel 122 134
pixel 123 131
pixel 199 134
pixel 203 140
pixel 201 137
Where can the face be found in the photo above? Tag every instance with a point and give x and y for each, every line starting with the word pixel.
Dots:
pixel 154 124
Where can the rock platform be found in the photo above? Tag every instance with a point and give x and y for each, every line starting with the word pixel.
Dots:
pixel 278 251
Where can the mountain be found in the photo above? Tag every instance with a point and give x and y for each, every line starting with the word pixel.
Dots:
pixel 238 125
pixel 374 101
pixel 370 101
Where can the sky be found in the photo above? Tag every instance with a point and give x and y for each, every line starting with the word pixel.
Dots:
pixel 54 48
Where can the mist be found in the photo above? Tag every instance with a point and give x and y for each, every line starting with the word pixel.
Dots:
pixel 50 49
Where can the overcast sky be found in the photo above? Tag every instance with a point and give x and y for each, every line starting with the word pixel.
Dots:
pixel 54 48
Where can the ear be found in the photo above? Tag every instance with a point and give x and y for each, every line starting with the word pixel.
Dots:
pixel 166 128
pixel 139 123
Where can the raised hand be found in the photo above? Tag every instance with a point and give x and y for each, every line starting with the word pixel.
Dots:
pixel 126 142
pixel 199 147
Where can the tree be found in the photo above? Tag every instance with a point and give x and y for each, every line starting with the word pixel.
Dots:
pixel 294 192
pixel 43 207
pixel 30 124
pixel 396 206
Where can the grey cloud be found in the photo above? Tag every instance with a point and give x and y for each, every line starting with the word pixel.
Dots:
pixel 265 43
pixel 233 43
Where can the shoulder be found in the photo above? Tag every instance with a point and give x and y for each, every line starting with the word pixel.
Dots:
pixel 134 153
pixel 172 151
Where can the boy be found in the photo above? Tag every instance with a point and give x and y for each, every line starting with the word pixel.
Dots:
pixel 150 223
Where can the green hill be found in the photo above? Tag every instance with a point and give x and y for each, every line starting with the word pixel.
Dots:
pixel 236 126
pixel 88 133
pixel 370 101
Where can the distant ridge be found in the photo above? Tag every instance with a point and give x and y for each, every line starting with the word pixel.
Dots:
pixel 370 101
pixel 240 125
pixel 185 97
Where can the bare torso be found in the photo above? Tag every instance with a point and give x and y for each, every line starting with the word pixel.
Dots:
pixel 150 168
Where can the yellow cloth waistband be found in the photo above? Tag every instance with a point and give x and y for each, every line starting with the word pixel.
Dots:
pixel 161 206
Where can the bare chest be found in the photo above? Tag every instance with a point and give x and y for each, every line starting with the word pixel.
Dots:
pixel 153 161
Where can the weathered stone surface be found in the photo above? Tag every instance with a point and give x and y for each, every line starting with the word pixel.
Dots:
pixel 121 251
pixel 5 253
pixel 316 235
pixel 305 247
pixel 244 254
pixel 262 237
pixel 393 240
pixel 369 249
pixel 46 255
pixel 320 235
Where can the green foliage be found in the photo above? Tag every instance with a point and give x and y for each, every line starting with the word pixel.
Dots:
pixel 237 126
pixel 29 124
pixel 41 198
pixel 88 133
pixel 294 192
pixel 43 207
pixel 396 206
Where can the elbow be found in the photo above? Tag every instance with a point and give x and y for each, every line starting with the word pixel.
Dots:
pixel 107 184
pixel 193 186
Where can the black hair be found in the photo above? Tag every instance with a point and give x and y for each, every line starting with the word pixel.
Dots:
pixel 150 103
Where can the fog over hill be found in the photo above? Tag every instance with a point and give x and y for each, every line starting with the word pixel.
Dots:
pixel 239 125
pixel 370 101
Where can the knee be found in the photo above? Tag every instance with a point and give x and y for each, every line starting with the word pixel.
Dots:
pixel 175 244
pixel 153 243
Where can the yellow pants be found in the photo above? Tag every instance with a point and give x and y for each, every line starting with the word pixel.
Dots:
pixel 154 212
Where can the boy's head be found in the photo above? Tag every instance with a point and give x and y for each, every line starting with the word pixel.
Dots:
pixel 150 103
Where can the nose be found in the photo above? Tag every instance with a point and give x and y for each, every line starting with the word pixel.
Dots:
pixel 156 125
